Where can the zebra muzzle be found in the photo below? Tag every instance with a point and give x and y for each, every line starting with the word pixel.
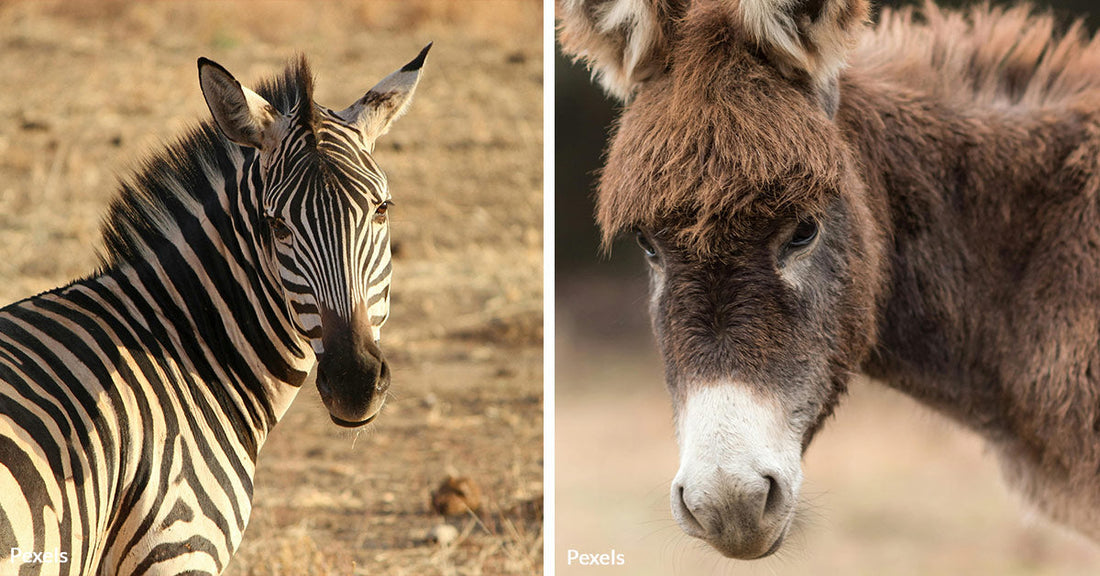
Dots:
pixel 352 373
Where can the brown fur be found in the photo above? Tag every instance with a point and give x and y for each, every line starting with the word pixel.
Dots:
pixel 627 42
pixel 624 53
pixel 983 134
pixel 716 160
pixel 957 186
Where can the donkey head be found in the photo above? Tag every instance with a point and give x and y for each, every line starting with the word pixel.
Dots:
pixel 764 259
pixel 320 218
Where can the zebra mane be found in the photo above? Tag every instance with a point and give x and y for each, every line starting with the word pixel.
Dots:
pixel 183 179
pixel 288 91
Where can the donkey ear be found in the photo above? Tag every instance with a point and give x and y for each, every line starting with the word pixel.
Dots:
pixel 811 36
pixel 241 114
pixel 387 101
pixel 624 42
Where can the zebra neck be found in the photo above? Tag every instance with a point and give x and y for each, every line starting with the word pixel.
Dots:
pixel 182 241
pixel 218 326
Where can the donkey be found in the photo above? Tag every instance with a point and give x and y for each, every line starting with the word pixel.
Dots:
pixel 915 201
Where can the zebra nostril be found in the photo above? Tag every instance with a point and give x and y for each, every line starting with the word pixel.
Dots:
pixel 383 380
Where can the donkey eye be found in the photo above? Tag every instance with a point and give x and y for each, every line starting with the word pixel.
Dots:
pixel 278 228
pixel 646 245
pixel 804 234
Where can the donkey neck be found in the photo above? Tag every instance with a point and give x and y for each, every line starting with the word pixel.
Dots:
pixel 980 206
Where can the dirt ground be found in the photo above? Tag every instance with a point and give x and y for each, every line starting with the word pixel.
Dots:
pixel 890 489
pixel 89 88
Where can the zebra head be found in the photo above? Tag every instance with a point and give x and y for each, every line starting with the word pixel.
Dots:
pixel 320 218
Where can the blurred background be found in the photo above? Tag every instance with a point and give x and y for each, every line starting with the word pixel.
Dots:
pixel 89 88
pixel 891 488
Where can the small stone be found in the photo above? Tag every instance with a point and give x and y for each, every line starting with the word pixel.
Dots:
pixel 455 496
pixel 442 534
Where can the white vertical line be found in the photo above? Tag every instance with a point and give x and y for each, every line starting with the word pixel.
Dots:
pixel 548 285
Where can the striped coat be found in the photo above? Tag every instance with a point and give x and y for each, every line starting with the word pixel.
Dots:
pixel 134 402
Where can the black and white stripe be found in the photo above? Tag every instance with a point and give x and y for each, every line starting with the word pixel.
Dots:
pixel 249 254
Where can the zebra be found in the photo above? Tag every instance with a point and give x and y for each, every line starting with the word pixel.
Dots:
pixel 248 255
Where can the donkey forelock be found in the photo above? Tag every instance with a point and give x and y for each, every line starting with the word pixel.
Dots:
pixel 741 140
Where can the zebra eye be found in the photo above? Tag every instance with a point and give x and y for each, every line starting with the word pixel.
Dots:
pixel 647 246
pixel 380 212
pixel 278 228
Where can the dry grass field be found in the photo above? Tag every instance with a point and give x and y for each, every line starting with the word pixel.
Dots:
pixel 891 489
pixel 88 88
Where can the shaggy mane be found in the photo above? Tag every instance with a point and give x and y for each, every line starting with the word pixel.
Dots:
pixel 984 56
pixel 179 180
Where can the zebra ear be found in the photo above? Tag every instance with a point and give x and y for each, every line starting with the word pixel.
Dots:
pixel 387 101
pixel 241 114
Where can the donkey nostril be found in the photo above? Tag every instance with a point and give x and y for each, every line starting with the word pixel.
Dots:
pixel 775 498
pixel 685 514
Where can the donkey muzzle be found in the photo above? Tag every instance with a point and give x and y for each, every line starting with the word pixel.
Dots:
pixel 740 471
pixel 352 374
pixel 744 516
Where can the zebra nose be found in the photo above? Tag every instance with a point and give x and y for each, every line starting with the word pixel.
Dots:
pixel 353 385
pixel 352 374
